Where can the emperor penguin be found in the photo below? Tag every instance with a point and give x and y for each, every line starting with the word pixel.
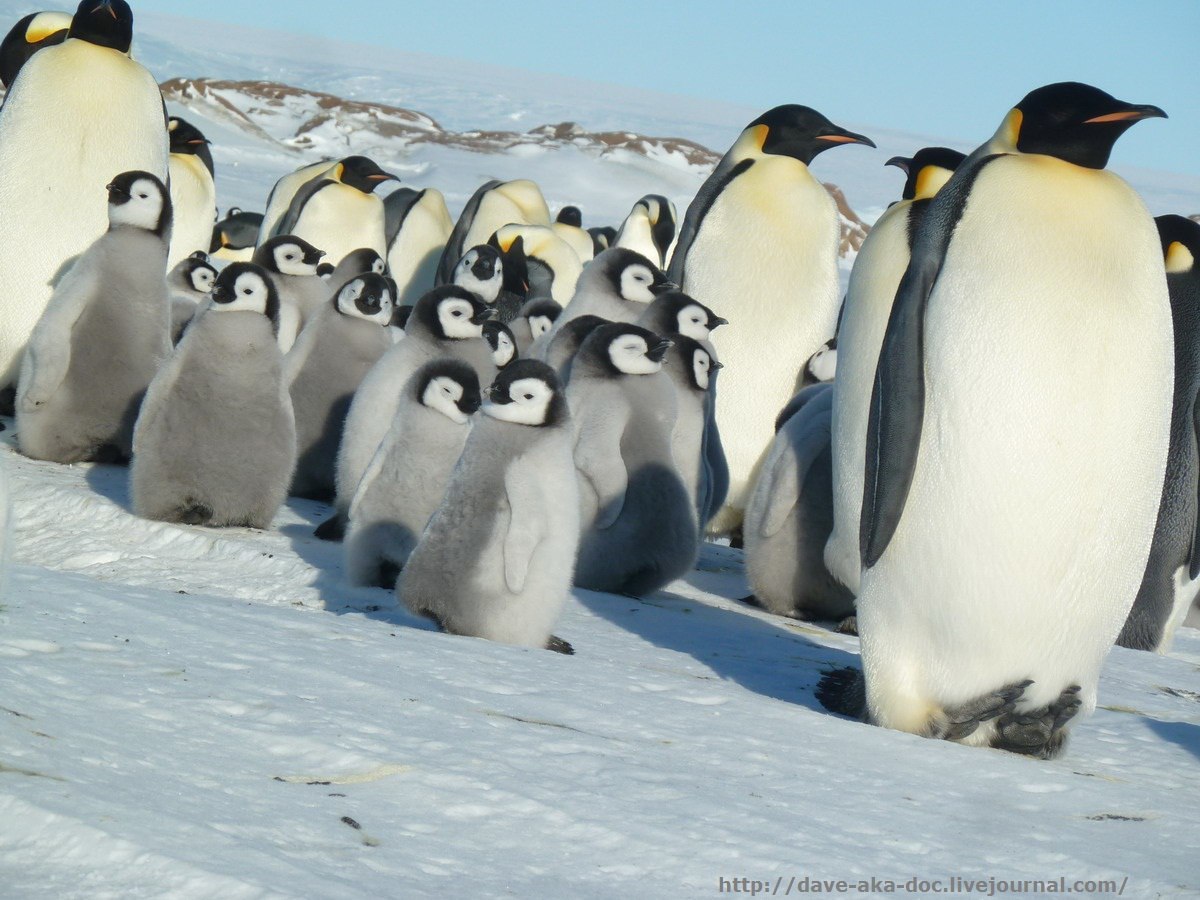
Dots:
pixel 496 559
pixel 549 265
pixel 329 360
pixel 291 265
pixel 603 237
pixel 639 529
pixel 759 243
pixel 189 284
pixel 103 335
pixel 27 37
pixel 284 191
pixel 650 229
pixel 481 271
pixel 234 237
pixel 574 237
pixel 1013 473
pixel 407 477
pixel 500 338
pixel 193 191
pixel 570 215
pixel 676 313
pixel 877 270
pixel 533 320
pixel 448 321
pixel 339 211
pixel 692 365
pixel 418 227
pixel 79 113
pixel 355 263
pixel 215 442
pixel 790 515
pixel 494 205
pixel 1170 583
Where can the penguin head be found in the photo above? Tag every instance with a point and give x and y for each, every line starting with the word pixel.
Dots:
pixel 237 231
pixel 927 171
pixel 105 23
pixel 139 200
pixel 527 393
pixel 677 313
pixel 481 271
pixel 661 216
pixel 500 338
pixel 400 316
pixel 603 237
pixel 1180 238
pixel 620 348
pixel 325 271
pixel 287 254
pixel 629 275
pixel 570 215
pixel 822 365
pixel 450 312
pixel 362 260
pixel 449 386
pixel 245 287
pixel 541 314
pixel 199 273
pixel 367 296
pixel 696 360
pixel 796 131
pixel 1074 122
pixel 361 173
pixel 30 34
pixel 186 138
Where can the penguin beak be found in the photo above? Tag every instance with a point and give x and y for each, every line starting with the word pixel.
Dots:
pixel 221 294
pixel 662 287
pixel 498 395
pixel 483 315
pixel 903 163
pixel 1131 113
pixel 116 194
pixel 717 322
pixel 713 367
pixel 470 404
pixel 659 350
pixel 846 137
pixel 382 176
pixel 313 257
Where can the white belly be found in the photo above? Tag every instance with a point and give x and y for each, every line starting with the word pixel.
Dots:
pixel 340 219
pixel 194 200
pixel 413 257
pixel 1048 367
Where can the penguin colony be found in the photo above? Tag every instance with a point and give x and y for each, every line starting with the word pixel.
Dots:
pixel 504 405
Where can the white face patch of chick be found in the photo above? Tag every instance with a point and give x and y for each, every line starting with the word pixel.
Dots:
pixel 289 260
pixel 443 394
pixel 464 276
pixel 823 364
pixel 692 321
pixel 701 368
pixel 455 314
pixel 505 350
pixel 539 325
pixel 636 283
pixel 348 303
pixel 202 278
pixel 530 401
pixel 250 294
pixel 628 353
pixel 142 209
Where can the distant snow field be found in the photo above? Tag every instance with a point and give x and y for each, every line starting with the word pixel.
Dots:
pixel 203 713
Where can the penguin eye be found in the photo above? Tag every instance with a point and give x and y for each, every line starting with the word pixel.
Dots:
pixel 457 314
pixel 529 396
pixel 247 291
pixel 289 257
pixel 143 196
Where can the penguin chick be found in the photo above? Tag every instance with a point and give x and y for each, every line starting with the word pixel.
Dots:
pixel 291 263
pixel 189 283
pixel 535 318
pixel 496 558
pixel 481 271
pixel 676 313
pixel 538 262
pixel 104 333
pixel 692 367
pixel 408 475
pixel 566 343
pixel 215 443
pixel 358 262
pixel 500 338
pixel 324 368
pixel 193 191
pixel 639 528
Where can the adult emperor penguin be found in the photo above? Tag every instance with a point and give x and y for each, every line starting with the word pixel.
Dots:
pixel 550 266
pixel 79 113
pixel 324 368
pixel 494 205
pixel 650 229
pixel 448 321
pixel 193 192
pixel 27 37
pixel 639 529
pixel 407 478
pixel 1013 473
pixel 189 284
pixel 284 191
pixel 1169 584
pixel 418 226
pixel 216 440
pixel 104 334
pixel 234 237
pixel 339 211
pixel 759 243
pixel 496 558
pixel 873 281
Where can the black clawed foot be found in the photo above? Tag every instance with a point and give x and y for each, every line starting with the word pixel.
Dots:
pixel 751 600
pixel 108 455
pixel 848 625
pixel 737 540
pixel 332 529
pixel 8 401
pixel 844 691
pixel 558 645
pixel 961 721
pixel 389 572
pixel 195 514
pixel 1039 732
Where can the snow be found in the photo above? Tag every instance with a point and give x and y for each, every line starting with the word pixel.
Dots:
pixel 198 713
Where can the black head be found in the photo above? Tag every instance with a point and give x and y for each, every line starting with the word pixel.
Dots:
pixel 106 23
pixel 527 393
pixel 237 231
pixel 454 370
pixel 544 306
pixel 693 359
pixel 449 312
pixel 362 173
pixel 662 220
pixel 1074 122
pixel 246 287
pixel 631 276
pixel 369 295
pixel 186 138
pixel 485 259
pixel 325 270
pixel 923 166
pixel 800 132
pixel 515 265
pixel 570 215
pixel 1180 238
pixel 500 338
pixel 603 237
pixel 677 312
pixel 364 259
pixel 140 200
pixel 30 34
pixel 199 273
pixel 617 349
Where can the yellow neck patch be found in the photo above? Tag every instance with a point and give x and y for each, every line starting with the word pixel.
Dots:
pixel 1179 258
pixel 930 180
pixel 46 24
pixel 1010 129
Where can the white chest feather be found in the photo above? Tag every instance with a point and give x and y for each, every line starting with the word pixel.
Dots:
pixel 340 219
pixel 194 200
pixel 413 256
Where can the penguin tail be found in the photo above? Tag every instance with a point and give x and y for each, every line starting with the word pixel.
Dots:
pixel 844 691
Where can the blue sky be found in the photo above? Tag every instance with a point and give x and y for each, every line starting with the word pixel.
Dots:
pixel 936 67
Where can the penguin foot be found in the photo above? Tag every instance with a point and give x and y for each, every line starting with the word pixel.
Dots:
pixel 108 455
pixel 332 529
pixel 751 600
pixel 558 645
pixel 388 573
pixel 844 691
pixel 8 401
pixel 960 722
pixel 195 513
pixel 848 625
pixel 1038 732
pixel 737 540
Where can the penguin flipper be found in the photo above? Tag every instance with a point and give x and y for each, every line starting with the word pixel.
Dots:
pixel 524 534
pixel 598 458
pixel 291 218
pixel 897 411
pixel 790 461
pixel 48 354
pixel 1194 554
pixel 699 209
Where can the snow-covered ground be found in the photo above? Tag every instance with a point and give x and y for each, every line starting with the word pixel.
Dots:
pixel 198 713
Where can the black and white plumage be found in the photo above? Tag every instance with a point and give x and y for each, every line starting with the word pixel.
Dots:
pixel 533 320
pixel 234 237
pixel 481 271
pixel 193 191
pixel 103 336
pixel 493 205
pixel 618 285
pixel 418 226
pixel 291 262
pixel 674 312
pixel 495 560
pixel 407 477
pixel 500 338
pixel 692 366
pixel 650 229
pixel 29 35
pixel 189 284
pixel 216 439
